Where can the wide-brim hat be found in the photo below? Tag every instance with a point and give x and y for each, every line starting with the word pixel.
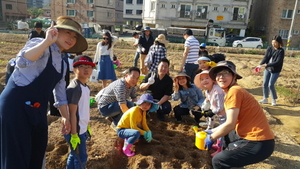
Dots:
pixel 183 74
pixel 148 98
pixel 197 79
pixel 69 24
pixel 161 38
pixel 83 60
pixel 223 64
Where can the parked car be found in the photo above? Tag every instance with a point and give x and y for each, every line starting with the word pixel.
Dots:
pixel 232 38
pixel 249 42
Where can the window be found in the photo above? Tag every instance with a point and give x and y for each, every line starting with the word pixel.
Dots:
pixel 295 32
pixel 139 2
pixel 109 14
pixel 215 8
pixel 139 12
pixel 225 9
pixel 109 2
pixel 287 14
pixel 89 1
pixel 238 14
pixel 284 34
pixel 201 12
pixel 152 6
pixel 8 6
pixel 173 6
pixel 298 12
pixel 185 11
pixel 163 5
pixel 90 13
pixel 71 12
pixel 71 1
pixel 128 11
pixel 128 1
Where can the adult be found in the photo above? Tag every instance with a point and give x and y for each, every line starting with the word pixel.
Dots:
pixel 203 51
pixel 160 86
pixel 272 62
pixel 157 52
pixel 245 115
pixel 145 42
pixel 37 32
pixel 24 101
pixel 113 100
pixel 136 37
pixel 190 54
pixel 104 58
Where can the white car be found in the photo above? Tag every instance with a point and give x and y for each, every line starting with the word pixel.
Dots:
pixel 249 42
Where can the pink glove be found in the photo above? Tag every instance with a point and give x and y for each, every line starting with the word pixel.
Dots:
pixel 257 69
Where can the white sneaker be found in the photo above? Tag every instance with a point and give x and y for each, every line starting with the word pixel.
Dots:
pixel 273 102
pixel 264 101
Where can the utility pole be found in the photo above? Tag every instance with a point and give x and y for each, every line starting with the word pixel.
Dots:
pixel 292 26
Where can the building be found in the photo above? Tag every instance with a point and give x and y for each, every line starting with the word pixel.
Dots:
pixel 271 18
pixel 132 13
pixel 230 14
pixel 13 10
pixel 90 12
pixel 35 3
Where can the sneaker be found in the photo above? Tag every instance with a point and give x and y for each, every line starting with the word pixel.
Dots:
pixel 273 102
pixel 113 126
pixel 109 119
pixel 264 101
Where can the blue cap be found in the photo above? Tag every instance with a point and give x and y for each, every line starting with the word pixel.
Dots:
pixel 202 45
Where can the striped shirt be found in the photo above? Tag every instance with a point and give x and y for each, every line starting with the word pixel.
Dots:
pixel 116 92
pixel 193 43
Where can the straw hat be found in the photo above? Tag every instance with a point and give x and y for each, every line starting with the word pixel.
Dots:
pixel 161 38
pixel 69 24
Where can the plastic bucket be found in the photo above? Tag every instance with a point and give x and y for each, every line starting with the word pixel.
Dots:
pixel 199 141
pixel 141 78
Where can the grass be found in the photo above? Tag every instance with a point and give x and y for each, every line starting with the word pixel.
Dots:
pixel 287 93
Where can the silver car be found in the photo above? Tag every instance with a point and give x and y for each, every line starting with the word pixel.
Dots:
pixel 249 42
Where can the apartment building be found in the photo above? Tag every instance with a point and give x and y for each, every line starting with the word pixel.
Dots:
pixel 35 3
pixel 271 18
pixel 230 14
pixel 132 13
pixel 13 10
pixel 106 13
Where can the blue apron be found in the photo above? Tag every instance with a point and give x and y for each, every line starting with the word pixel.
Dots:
pixel 24 128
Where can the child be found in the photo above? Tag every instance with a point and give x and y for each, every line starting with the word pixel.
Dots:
pixel 78 95
pixel 215 96
pixel 24 101
pixel 133 123
pixel 191 97
pixel 116 62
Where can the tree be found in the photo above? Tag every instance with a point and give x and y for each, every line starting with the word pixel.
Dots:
pixel 35 12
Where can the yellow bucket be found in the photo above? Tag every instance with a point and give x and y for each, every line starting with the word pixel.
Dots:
pixel 199 141
pixel 141 78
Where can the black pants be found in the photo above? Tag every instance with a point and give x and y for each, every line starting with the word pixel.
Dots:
pixel 178 111
pixel 165 108
pixel 53 110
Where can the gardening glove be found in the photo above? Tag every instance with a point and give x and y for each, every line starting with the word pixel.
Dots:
pixel 208 131
pixel 208 142
pixel 89 131
pixel 257 69
pixel 75 140
pixel 148 136
pixel 151 79
pixel 211 64
pixel 208 113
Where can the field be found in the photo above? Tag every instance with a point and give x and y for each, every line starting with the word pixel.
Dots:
pixel 176 148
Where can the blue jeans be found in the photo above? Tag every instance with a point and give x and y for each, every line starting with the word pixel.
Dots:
pixel 269 84
pixel 136 58
pixel 114 111
pixel 131 135
pixel 190 69
pixel 73 161
pixel 243 152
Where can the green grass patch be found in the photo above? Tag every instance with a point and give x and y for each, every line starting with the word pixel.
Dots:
pixel 287 93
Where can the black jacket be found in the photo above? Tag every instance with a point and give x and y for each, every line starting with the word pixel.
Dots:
pixel 34 34
pixel 277 59
pixel 143 43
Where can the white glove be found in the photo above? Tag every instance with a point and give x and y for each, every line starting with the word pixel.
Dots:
pixel 151 79
pixel 143 49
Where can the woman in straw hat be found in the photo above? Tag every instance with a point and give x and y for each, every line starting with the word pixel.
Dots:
pixel 157 52
pixel 245 115
pixel 24 101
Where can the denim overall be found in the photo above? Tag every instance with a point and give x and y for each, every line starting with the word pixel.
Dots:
pixel 24 128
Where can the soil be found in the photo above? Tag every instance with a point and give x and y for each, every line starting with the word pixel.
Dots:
pixel 175 145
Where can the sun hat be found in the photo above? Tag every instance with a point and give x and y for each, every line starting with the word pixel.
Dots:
pixel 223 64
pixel 161 38
pixel 83 60
pixel 204 58
pixel 69 24
pixel 183 74
pixel 203 45
pixel 147 28
pixel 148 98
pixel 197 78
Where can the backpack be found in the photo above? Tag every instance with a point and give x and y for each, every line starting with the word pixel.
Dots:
pixel 217 57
